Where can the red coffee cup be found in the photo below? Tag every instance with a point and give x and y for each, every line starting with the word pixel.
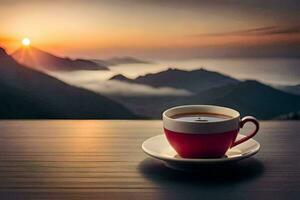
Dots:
pixel 205 139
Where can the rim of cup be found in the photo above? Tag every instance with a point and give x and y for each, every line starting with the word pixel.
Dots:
pixel 195 127
pixel 233 114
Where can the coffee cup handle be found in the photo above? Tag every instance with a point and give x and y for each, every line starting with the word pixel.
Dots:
pixel 242 123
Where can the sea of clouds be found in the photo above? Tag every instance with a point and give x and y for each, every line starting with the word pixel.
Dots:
pixel 113 87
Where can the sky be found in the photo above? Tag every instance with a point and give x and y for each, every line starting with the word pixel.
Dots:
pixel 154 28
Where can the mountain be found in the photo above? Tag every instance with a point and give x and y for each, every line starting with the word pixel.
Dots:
pixel 293 89
pixel 41 60
pixel 195 81
pixel 248 97
pixel 126 60
pixel 255 98
pixel 30 94
pixel 115 61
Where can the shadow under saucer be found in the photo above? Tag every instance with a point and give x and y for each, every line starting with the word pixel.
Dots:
pixel 227 173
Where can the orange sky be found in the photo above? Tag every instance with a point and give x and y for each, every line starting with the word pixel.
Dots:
pixel 107 28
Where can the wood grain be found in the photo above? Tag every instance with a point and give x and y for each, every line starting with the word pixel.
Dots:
pixel 90 159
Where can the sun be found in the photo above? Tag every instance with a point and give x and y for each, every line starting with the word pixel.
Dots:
pixel 26 41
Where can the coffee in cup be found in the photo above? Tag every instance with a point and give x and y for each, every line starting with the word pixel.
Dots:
pixel 200 117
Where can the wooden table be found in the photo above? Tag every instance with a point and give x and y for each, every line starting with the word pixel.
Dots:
pixel 104 160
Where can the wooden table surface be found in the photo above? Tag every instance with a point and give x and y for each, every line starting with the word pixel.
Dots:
pixel 104 160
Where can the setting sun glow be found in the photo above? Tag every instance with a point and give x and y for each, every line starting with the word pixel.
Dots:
pixel 26 41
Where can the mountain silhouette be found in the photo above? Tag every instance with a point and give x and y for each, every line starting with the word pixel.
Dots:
pixel 294 89
pixel 195 81
pixel 30 94
pixel 253 98
pixel 126 60
pixel 248 97
pixel 41 60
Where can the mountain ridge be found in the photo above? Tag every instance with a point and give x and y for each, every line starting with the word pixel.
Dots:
pixel 29 94
pixel 250 97
pixel 42 60
pixel 293 89
pixel 195 81
pixel 116 61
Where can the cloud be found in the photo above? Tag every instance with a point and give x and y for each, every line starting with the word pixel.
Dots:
pixel 93 82
pixel 269 30
pixel 113 87
pixel 288 30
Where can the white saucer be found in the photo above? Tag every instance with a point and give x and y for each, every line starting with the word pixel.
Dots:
pixel 158 147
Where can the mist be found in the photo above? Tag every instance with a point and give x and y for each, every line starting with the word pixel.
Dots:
pixel 114 87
